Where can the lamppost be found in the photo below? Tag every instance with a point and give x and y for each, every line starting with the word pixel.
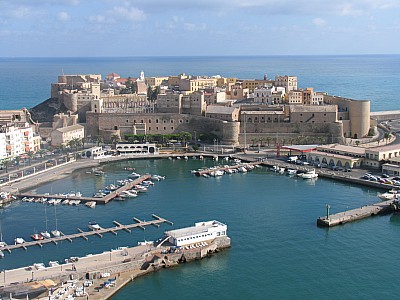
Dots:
pixel 245 137
pixel 195 136
pixel 214 144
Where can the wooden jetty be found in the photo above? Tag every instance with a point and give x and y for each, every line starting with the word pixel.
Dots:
pixel 85 234
pixel 366 211
pixel 103 200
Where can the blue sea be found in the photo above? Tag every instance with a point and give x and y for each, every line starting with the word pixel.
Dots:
pixel 25 82
pixel 277 251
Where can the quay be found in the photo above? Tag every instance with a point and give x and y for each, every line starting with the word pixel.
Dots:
pixel 100 276
pixel 85 234
pixel 103 200
pixel 363 212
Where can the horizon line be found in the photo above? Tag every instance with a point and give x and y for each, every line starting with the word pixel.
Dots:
pixel 187 56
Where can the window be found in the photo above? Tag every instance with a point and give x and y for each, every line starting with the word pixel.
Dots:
pixel 172 121
pixel 172 127
pixel 165 128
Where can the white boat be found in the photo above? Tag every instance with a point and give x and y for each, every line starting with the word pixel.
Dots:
pixel 157 177
pixel 56 233
pixel 94 226
pixel 53 263
pixel 19 240
pixel 1 254
pixel 99 173
pixel 98 195
pixel 128 194
pixel 148 182
pixel 140 188
pixel 39 266
pixel 65 202
pixel 3 244
pixel 134 175
pixel 389 195
pixel 144 243
pixel 309 174
pixel 57 202
pixel 45 234
pixel 291 171
pixel 91 204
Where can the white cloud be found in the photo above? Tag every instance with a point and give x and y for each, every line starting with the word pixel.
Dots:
pixel 348 9
pixel 21 12
pixel 194 27
pixel 97 19
pixel 63 16
pixel 129 13
pixel 319 22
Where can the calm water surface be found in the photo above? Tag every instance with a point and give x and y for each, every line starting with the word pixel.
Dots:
pixel 277 250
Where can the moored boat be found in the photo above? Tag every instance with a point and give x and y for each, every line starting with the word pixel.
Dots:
pixel 19 240
pixel 37 237
pixel 94 226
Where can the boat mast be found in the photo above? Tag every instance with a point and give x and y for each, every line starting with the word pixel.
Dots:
pixel 55 214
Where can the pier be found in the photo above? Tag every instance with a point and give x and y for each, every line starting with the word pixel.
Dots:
pixel 85 234
pixel 103 200
pixel 363 212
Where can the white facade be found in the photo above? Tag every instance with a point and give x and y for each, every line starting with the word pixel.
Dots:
pixel 264 95
pixel 15 141
pixel 200 232
pixel 136 149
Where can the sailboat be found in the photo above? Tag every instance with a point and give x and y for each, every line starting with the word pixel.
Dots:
pixel 45 233
pixel 2 244
pixel 56 232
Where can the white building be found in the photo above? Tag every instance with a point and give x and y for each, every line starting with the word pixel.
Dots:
pixel 16 140
pixel 264 95
pixel 200 232
pixel 136 149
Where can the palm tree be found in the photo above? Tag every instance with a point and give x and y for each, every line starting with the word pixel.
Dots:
pixel 387 136
pixel 115 139
pixel 99 140
pixel 17 161
pixel 83 142
pixel 30 156
pixel 184 137
pixel 6 163
pixel 41 152
pixel 253 141
pixel 268 139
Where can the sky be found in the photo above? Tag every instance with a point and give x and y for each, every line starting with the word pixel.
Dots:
pixel 96 28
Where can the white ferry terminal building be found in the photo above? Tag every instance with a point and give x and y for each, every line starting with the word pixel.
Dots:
pixel 200 232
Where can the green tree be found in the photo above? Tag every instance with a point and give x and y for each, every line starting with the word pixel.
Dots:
pixel 195 147
pixel 357 143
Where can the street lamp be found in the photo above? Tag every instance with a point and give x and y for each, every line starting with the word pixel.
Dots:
pixel 214 144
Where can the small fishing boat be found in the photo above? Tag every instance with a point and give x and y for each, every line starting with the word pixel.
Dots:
pixel 91 204
pixel 94 226
pixel 19 240
pixel 37 237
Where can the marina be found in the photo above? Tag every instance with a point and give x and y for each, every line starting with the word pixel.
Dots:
pixel 102 200
pixel 85 234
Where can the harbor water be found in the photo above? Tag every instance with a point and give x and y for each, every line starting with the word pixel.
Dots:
pixel 277 249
